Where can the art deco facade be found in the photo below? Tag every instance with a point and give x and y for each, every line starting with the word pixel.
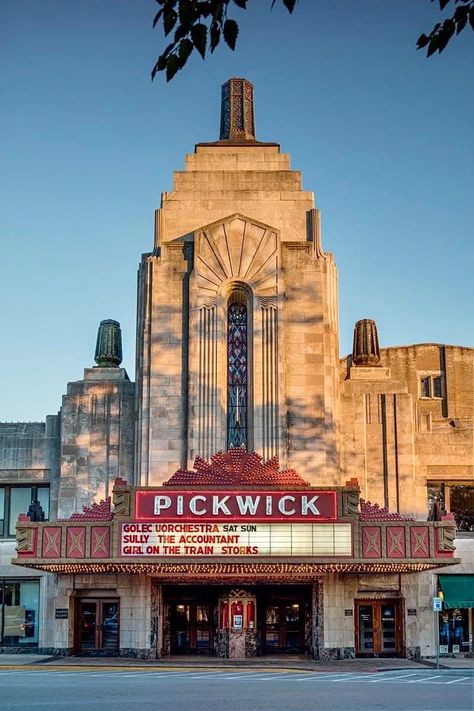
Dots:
pixel 243 415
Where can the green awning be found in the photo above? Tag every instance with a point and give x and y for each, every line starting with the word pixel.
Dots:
pixel 458 590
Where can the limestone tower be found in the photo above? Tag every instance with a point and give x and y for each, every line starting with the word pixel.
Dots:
pixel 237 312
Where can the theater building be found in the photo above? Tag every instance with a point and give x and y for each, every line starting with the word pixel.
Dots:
pixel 251 493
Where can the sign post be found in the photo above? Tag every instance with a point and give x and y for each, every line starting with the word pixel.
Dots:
pixel 437 608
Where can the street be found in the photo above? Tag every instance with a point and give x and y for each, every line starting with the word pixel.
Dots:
pixel 122 690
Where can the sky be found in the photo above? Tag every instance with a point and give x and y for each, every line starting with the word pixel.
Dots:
pixel 382 136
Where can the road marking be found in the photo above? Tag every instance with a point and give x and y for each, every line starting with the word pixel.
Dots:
pixel 423 679
pixel 461 678
pixel 391 678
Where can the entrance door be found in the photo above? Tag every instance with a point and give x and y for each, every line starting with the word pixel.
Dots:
pixel 191 628
pixel 284 627
pixel 97 627
pixel 378 628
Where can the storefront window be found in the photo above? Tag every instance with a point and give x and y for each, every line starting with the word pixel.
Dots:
pixel 462 506
pixel 15 500
pixel 19 613
pixel 454 631
pixel 456 498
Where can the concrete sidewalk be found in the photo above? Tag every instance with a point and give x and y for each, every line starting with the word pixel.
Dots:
pixel 290 662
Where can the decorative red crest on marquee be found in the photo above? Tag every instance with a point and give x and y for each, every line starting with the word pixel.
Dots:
pixel 237 467
pixel 97 512
pixel 374 512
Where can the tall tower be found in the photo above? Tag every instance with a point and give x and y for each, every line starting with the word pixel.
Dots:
pixel 237 312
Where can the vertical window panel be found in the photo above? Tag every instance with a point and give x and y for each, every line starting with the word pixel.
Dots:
pixel 237 375
pixel 437 388
pixel 43 498
pixel 426 387
pixel 2 510
pixel 20 500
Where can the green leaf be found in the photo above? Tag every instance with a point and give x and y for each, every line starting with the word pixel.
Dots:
pixel 172 66
pixel 218 10
pixel 184 50
pixel 169 20
pixel 215 35
pixel 186 11
pixel 432 47
pixel 460 18
pixel 199 38
pixel 204 9
pixel 157 17
pixel 290 5
pixel 422 41
pixel 231 30
pixel 159 66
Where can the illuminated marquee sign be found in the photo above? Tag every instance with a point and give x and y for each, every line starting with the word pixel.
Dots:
pixel 255 506
pixel 183 539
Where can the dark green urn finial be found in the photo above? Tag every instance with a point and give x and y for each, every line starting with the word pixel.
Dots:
pixel 365 350
pixel 108 350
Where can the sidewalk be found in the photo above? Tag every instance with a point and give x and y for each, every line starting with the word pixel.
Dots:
pixel 291 662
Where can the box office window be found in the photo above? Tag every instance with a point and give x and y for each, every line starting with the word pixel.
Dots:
pixel 15 500
pixel 19 613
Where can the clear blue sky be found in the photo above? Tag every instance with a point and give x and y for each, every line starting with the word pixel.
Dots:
pixel 383 137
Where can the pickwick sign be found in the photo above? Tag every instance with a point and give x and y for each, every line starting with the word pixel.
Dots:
pixel 257 506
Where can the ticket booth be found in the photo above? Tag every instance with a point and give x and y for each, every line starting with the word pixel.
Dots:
pixel 237 624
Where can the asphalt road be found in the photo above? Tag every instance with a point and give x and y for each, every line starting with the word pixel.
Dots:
pixel 86 690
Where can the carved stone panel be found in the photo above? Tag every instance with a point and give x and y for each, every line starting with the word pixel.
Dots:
pixel 236 248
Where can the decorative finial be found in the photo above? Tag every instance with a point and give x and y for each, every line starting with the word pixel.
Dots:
pixel 237 115
pixel 365 350
pixel 108 350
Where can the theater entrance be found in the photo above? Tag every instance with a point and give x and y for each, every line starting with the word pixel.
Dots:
pixel 193 619
pixel 379 631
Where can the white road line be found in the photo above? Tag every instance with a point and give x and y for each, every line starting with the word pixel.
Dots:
pixel 423 679
pixel 331 676
pixel 394 677
pixel 461 678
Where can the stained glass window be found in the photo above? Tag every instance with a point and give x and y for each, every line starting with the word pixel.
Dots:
pixel 237 375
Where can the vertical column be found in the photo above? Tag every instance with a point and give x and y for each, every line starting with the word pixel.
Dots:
pixel 270 409
pixel 156 631
pixel 205 421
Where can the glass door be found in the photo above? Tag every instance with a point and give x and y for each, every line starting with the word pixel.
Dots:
pixel 180 618
pixel 292 627
pixel 388 633
pixel 284 628
pixel 272 629
pixel 366 629
pixel 191 628
pixel 98 626
pixel 378 628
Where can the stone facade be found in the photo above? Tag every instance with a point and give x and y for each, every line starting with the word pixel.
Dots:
pixel 237 221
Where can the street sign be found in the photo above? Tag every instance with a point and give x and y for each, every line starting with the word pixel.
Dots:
pixel 437 604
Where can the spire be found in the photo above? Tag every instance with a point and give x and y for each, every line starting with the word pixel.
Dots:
pixel 365 350
pixel 108 350
pixel 237 114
